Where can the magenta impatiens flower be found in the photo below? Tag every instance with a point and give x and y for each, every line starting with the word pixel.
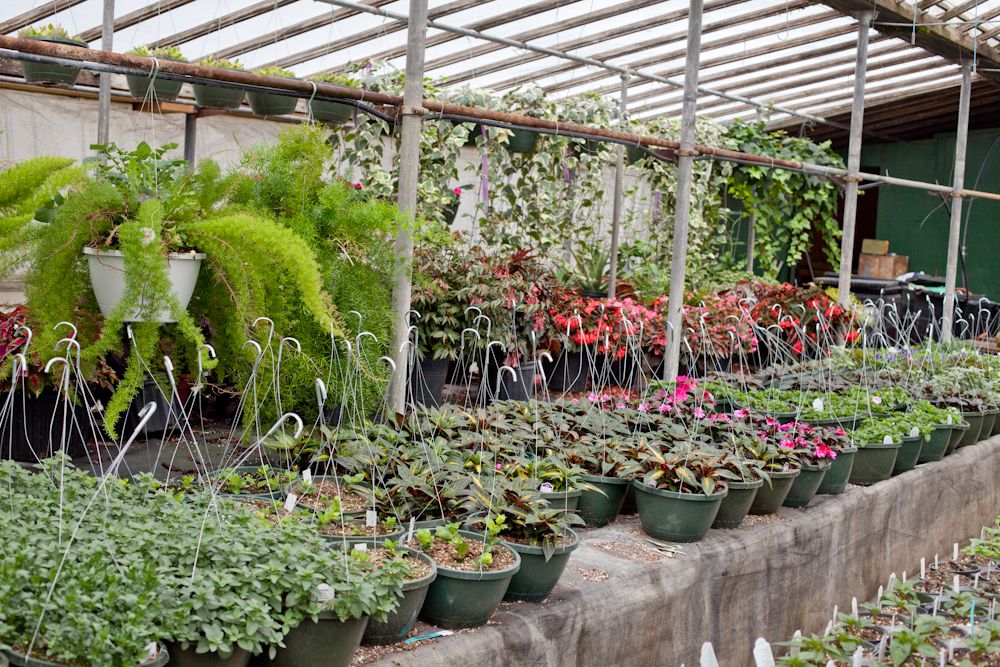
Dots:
pixel 643 407
pixel 824 451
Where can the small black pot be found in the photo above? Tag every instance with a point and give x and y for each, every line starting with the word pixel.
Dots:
pixel 427 386
pixel 569 373
pixel 29 439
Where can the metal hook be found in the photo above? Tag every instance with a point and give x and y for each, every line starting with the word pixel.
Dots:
pixel 27 337
pixel 270 331
pixel 299 426
pixel 70 325
pixel 504 369
pixel 388 360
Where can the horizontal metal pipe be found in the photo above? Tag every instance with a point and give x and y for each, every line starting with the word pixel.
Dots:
pixel 101 61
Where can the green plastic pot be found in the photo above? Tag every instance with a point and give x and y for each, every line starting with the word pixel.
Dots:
pixel 958 432
pixel 565 501
pixel 848 423
pixel 989 423
pixel 676 517
pixel 735 506
pixel 216 97
pixel 633 154
pixel 909 453
pixel 399 623
pixel 599 508
pixel 189 658
pixel 336 541
pixel 331 112
pixel 835 479
pixel 805 485
pixel 164 90
pixel 996 426
pixel 873 463
pixel 48 74
pixel 538 576
pixel 934 449
pixel 8 657
pixel 271 104
pixel 770 496
pixel 328 641
pixel 975 420
pixel 522 141
pixel 459 599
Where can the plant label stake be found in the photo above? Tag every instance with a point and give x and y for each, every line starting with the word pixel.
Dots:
pixel 409 532
pixel 954 551
pixel 152 649
pixel 371 518
pixel 881 590
pixel 857 657
pixel 835 610
pixel 324 593
pixel 923 568
pixel 708 658
pixel 818 405
pixel 887 440
pixel 307 476
pixel 361 546
pixel 941 659
pixel 881 648
pixel 854 606
pixel 290 502
pixel 955 583
pixel 914 432
pixel 762 655
pixel 796 638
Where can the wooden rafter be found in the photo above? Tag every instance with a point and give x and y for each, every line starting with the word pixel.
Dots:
pixel 43 11
pixel 151 10
pixel 224 21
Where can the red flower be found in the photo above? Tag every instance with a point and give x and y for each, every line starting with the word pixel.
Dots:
pixel 797 348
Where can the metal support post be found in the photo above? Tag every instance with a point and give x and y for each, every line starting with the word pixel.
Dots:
pixel 955 227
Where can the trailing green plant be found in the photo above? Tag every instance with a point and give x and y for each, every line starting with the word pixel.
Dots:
pixel 275 71
pixel 222 63
pixel 165 52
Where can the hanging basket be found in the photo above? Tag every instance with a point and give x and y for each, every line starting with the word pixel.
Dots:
pixel 107 277
pixel 331 112
pixel 163 90
pixel 48 74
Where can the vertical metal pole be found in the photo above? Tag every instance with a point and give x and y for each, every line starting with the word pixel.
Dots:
pixel 955 228
pixel 190 137
pixel 751 240
pixel 616 212
pixel 406 197
pixel 682 214
pixel 104 90
pixel 853 162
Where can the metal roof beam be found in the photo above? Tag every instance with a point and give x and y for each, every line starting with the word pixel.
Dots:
pixel 43 11
pixel 942 40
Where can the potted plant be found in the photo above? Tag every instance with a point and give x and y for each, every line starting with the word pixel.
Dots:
pixel 214 96
pixel 451 209
pixel 160 89
pixel 780 463
pixel 839 473
pixel 530 101
pixel 680 492
pixel 320 492
pixel 749 477
pixel 420 574
pixel 965 388
pixel 330 111
pixel 557 481
pixel 474 571
pixel 272 104
pixel 878 447
pixel 47 74
pixel 937 425
pixel 608 469
pixel 260 482
pixel 815 458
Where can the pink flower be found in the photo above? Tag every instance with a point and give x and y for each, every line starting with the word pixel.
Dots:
pixel 824 452
pixel 840 432
pixel 699 413
pixel 787 444
pixel 663 407
pixel 458 192
pixel 356 186
pixel 592 397
pixel 499 467
pixel 620 406
pixel 643 407
pixel 741 413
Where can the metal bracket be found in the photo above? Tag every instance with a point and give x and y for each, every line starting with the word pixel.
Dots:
pixel 412 111
pixel 680 152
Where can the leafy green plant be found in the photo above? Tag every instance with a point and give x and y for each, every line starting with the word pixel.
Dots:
pixel 275 71
pixel 222 63
pixel 49 30
pixel 165 52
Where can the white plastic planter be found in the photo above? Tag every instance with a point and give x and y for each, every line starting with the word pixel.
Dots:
pixel 107 276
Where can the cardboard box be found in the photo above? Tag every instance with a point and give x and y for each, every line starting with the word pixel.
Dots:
pixel 887 267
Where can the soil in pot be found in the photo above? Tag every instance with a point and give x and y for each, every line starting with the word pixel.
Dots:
pixel 771 495
pixel 216 97
pixel 736 504
pixel 873 463
pixel 836 478
pixel 397 624
pixel 539 575
pixel 935 448
pixel 805 486
pixel 427 383
pixel 358 532
pixel 321 493
pixel 463 595
pixel 564 501
pixel 189 658
pixel 271 104
pixel 49 74
pixel 599 508
pixel 975 420
pixel 569 373
pixel 676 517
pixel 909 452
pixel 329 642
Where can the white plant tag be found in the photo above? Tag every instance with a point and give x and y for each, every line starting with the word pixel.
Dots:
pixel 858 656
pixel 955 584
pixel 950 422
pixel 324 593
pixel 762 655
pixel 371 518
pixel 887 440
pixel 307 476
pixel 152 650
pixel 954 551
pixel 923 568
pixel 818 405
pixel 795 637
pixel 290 502
pixel 854 606
pixel 409 531
pixel 361 546
pixel 708 658
pixel 877 400
pixel 914 432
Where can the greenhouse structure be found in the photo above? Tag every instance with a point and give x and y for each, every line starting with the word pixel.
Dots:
pixel 552 332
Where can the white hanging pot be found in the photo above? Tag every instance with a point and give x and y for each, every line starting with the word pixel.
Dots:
pixel 107 276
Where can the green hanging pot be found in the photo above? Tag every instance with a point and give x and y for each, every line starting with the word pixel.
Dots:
pixel 399 623
pixel 332 112
pixel 163 90
pixel 735 506
pixel 599 508
pixel 271 104
pixel 975 420
pixel 873 463
pixel 989 423
pixel 522 141
pixel 770 496
pixel 633 154
pixel 564 501
pixel 996 425
pixel 835 479
pixel 848 423
pixel 48 74
pixel 676 517
pixel 189 658
pixel 460 599
pixel 934 449
pixel 958 432
pixel 538 575
pixel 329 641
pixel 216 97
pixel 909 453
pixel 15 659
pixel 805 486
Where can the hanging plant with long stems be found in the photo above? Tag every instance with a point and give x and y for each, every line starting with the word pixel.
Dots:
pixel 788 207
